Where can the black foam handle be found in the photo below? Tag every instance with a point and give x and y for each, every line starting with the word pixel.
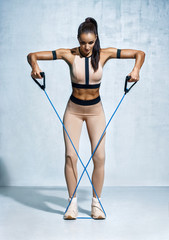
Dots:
pixel 43 85
pixel 126 90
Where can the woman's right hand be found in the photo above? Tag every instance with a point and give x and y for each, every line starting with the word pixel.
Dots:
pixel 36 73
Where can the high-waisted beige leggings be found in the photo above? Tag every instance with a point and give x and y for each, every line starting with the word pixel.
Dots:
pixel 73 118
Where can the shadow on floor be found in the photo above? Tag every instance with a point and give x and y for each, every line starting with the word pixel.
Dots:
pixel 34 198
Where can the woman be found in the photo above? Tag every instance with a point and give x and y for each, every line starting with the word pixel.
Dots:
pixel 86 65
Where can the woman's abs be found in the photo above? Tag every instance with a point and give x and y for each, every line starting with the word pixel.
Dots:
pixel 85 94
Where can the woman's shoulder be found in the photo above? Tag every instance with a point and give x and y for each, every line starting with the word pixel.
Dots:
pixel 64 52
pixel 108 50
pixel 68 54
pixel 74 51
pixel 107 53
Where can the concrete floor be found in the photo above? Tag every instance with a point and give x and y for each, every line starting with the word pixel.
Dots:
pixel 36 213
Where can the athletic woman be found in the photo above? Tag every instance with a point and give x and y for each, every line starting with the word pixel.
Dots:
pixel 86 64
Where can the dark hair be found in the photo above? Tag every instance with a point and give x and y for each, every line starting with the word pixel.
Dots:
pixel 90 25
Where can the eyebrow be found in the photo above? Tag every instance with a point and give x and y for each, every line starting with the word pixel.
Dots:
pixel 89 41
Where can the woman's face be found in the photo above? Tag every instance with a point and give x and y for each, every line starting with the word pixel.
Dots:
pixel 87 41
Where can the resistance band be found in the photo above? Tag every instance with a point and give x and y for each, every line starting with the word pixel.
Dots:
pixel 125 92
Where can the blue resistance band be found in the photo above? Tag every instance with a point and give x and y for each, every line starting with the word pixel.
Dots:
pixel 126 91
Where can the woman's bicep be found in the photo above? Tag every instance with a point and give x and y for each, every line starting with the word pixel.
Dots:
pixel 50 55
pixel 130 53
pixel 60 53
pixel 121 53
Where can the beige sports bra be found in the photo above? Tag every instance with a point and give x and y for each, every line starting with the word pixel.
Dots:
pixel 82 73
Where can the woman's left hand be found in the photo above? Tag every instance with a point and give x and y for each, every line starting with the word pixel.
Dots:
pixel 134 75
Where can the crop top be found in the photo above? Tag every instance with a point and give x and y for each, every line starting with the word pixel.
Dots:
pixel 82 72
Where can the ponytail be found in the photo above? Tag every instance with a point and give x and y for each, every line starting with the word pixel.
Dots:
pixel 90 25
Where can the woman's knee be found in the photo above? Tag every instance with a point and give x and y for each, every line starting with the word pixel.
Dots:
pixel 71 159
pixel 99 160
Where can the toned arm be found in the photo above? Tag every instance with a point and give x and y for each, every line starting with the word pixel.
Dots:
pixel 49 55
pixel 138 55
pixel 125 53
pixel 33 57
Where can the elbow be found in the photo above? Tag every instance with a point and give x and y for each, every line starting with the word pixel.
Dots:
pixel 142 53
pixel 29 56
pixel 139 52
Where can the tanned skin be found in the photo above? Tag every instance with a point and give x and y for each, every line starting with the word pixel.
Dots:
pixel 87 41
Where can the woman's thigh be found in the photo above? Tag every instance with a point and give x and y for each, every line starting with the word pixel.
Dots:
pixel 96 124
pixel 73 124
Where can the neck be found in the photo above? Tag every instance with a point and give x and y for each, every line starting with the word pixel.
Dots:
pixel 83 54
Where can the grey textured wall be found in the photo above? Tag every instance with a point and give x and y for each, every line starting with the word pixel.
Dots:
pixel 31 139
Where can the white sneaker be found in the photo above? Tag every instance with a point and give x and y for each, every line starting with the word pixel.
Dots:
pixel 96 209
pixel 72 210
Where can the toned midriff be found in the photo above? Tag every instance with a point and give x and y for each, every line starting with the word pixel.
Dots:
pixel 85 94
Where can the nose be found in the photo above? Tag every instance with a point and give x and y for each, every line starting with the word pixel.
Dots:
pixel 87 47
